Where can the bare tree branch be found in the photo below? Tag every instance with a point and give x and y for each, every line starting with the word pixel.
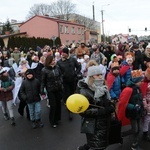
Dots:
pixel 60 8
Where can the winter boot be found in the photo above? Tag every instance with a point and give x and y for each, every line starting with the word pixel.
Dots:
pixel 12 121
pixel 135 146
pixel 34 125
pixel 146 136
pixel 39 123
pixel 6 116
pixel 84 147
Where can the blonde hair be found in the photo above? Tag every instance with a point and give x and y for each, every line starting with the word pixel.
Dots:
pixel 90 81
pixel 92 63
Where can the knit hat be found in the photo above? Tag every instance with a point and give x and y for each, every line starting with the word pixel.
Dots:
pixel 113 56
pixel 65 50
pixel 94 70
pixel 137 76
pixel 29 71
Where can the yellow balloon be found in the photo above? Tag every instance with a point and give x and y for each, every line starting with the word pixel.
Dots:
pixel 77 103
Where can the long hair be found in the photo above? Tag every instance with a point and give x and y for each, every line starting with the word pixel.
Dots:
pixel 48 60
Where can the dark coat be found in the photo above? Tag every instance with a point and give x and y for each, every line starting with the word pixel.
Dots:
pixel 137 63
pixel 102 116
pixel 145 59
pixel 69 68
pixel 9 86
pixel 38 71
pixel 30 90
pixel 134 108
pixel 51 79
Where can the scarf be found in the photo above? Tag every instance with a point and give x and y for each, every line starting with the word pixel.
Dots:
pixel 99 89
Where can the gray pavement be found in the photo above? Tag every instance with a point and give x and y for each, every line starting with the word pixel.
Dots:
pixel 66 136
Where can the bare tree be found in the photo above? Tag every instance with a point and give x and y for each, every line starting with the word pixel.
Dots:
pixel 39 9
pixel 87 22
pixel 63 9
pixel 60 8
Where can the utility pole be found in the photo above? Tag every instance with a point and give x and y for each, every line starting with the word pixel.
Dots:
pixel 103 25
pixel 102 13
pixel 93 12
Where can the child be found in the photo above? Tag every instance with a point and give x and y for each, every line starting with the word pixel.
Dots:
pixel 125 69
pixel 130 106
pixel 114 82
pixel 145 88
pixel 29 92
pixel 6 95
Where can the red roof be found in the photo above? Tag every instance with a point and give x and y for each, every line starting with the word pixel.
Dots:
pixel 53 19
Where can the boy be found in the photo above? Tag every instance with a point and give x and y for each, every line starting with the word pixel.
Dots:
pixel 130 106
pixel 29 92
pixel 6 95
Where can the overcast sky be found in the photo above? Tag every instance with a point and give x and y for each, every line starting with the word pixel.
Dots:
pixel 119 15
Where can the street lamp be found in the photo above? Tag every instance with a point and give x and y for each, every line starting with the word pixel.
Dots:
pixel 102 11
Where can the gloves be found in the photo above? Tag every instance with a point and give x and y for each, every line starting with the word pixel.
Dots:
pixel 130 106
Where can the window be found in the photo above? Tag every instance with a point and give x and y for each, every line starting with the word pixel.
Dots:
pixel 66 29
pixel 72 30
pixel 79 30
pixel 67 42
pixel 61 28
pixel 82 31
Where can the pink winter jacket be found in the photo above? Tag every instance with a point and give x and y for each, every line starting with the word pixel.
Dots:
pixel 146 100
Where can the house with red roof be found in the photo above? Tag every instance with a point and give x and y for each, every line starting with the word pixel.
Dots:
pixel 49 27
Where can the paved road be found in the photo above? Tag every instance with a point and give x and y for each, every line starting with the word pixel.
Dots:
pixel 65 137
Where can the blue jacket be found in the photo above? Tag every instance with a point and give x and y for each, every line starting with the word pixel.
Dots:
pixel 127 75
pixel 115 90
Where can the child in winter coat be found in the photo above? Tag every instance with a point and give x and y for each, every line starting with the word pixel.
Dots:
pixel 114 82
pixel 125 69
pixel 6 95
pixel 130 106
pixel 29 92
pixel 145 88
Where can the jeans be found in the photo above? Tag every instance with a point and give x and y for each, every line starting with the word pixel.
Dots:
pixel 35 111
pixel 8 105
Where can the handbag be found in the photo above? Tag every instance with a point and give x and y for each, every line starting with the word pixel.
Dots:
pixel 88 125
pixel 115 131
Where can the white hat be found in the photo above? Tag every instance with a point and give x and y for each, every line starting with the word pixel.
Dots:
pixel 4 69
pixel 94 70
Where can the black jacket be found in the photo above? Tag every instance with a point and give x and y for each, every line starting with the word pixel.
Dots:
pixel 102 116
pixel 38 71
pixel 30 90
pixel 69 68
pixel 51 79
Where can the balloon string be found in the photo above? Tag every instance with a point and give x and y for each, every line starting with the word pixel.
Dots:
pixel 97 106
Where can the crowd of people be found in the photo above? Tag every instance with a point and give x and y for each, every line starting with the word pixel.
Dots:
pixel 114 77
